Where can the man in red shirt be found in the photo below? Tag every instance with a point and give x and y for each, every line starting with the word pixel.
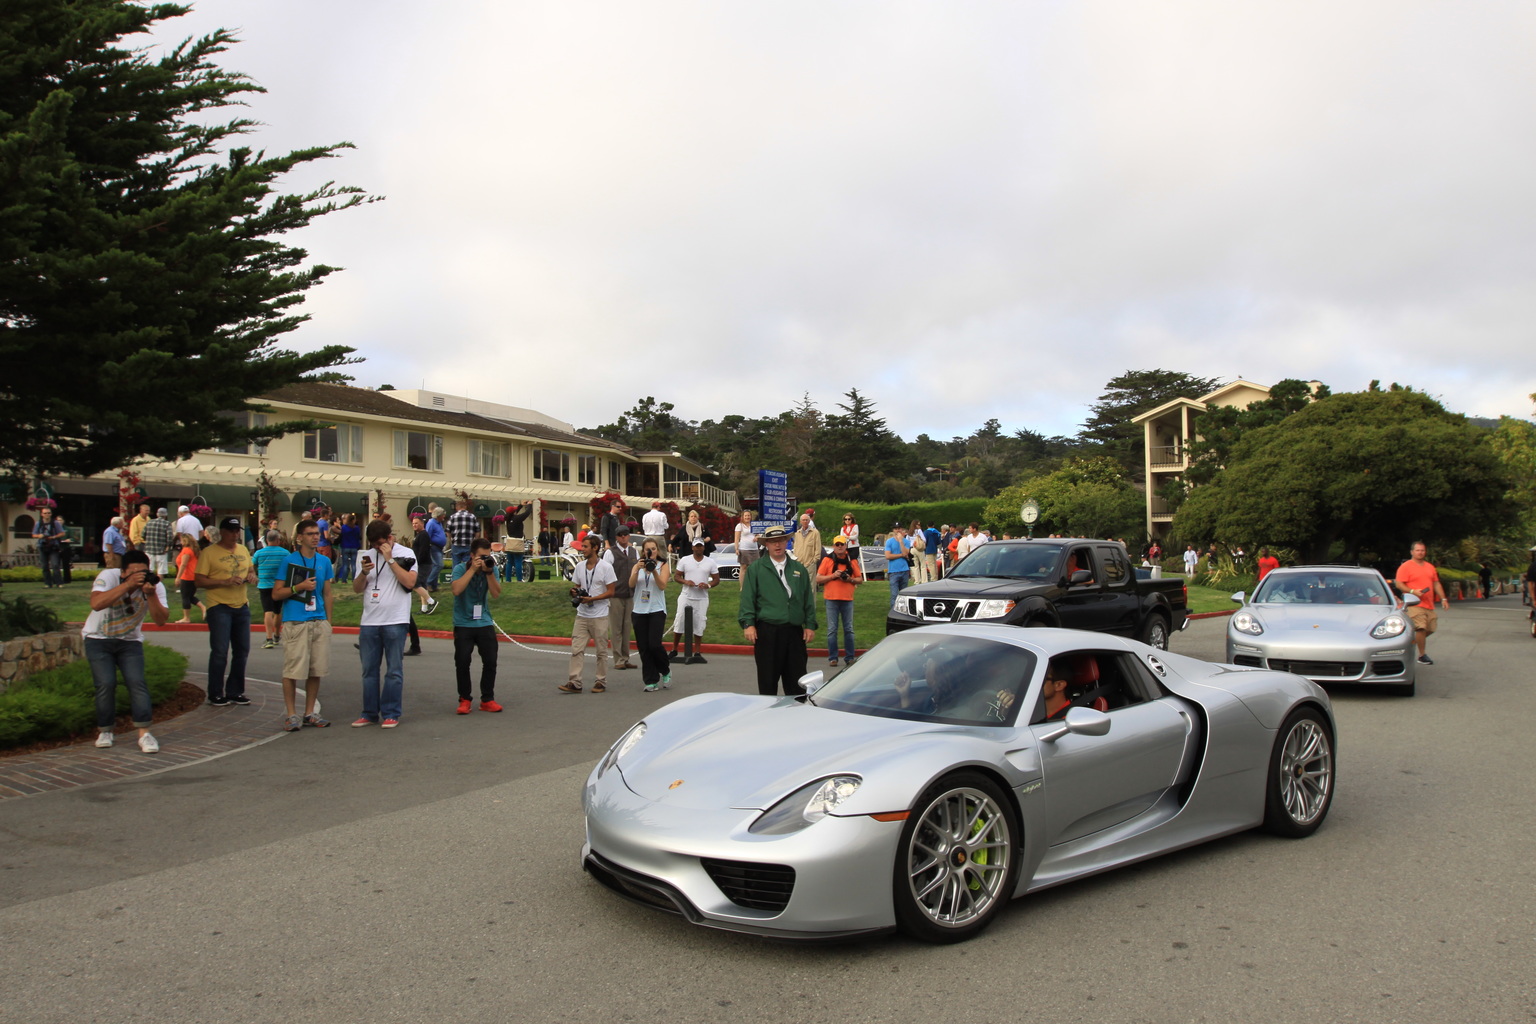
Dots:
pixel 1416 576
pixel 1267 562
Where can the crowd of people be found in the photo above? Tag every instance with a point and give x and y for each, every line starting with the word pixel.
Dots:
pixel 618 590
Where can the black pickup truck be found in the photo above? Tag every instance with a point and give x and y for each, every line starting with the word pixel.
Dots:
pixel 1078 584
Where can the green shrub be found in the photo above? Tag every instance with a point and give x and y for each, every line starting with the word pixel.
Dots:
pixel 22 574
pixel 20 617
pixel 873 519
pixel 62 701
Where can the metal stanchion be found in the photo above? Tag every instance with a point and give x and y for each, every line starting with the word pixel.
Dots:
pixel 690 657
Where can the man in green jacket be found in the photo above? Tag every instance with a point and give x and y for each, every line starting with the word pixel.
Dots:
pixel 778 614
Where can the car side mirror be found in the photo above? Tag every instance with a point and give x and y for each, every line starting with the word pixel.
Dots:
pixel 813 681
pixel 1239 597
pixel 1081 576
pixel 1409 600
pixel 1080 722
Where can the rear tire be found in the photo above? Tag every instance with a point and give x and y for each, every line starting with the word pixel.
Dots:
pixel 1301 775
pixel 1154 632
pixel 957 860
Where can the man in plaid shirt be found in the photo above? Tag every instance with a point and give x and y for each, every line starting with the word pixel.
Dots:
pixel 157 543
pixel 463 527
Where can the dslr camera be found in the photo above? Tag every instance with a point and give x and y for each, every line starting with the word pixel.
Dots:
pixel 576 597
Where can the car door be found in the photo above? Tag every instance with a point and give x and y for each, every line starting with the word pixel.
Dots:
pixel 1082 605
pixel 1096 782
pixel 1120 606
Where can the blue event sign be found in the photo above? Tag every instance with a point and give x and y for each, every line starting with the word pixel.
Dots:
pixel 772 495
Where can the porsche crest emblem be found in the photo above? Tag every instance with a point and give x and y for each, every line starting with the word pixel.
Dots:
pixel 675 783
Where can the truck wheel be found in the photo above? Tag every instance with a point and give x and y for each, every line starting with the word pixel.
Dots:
pixel 1154 632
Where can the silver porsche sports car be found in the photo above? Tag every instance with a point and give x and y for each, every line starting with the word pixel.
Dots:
pixel 1330 623
pixel 952 768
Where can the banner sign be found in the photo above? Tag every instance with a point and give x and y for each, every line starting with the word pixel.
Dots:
pixel 772 499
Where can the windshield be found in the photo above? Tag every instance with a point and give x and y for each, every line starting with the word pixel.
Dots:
pixel 1322 588
pixel 936 678
pixel 1024 561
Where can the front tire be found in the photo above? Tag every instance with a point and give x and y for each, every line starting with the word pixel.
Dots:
pixel 1301 775
pixel 957 859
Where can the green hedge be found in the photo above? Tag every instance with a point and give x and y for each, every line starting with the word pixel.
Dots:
pixel 62 701
pixel 23 574
pixel 873 519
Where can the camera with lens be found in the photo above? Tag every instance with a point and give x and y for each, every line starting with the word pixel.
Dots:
pixel 575 597
pixel 844 575
pixel 151 578
pixel 650 564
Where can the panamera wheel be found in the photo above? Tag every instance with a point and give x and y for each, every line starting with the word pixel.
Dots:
pixel 1301 775
pixel 956 862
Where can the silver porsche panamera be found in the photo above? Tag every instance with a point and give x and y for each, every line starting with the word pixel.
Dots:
pixel 1330 623
pixel 949 770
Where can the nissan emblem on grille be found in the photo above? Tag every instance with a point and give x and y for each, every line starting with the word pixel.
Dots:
pixel 938 608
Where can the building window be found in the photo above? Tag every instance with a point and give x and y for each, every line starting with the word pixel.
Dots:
pixel 613 476
pixel 487 458
pixel 586 469
pixel 417 450
pixel 551 465
pixel 245 419
pixel 334 444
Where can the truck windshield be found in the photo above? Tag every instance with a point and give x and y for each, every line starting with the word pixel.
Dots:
pixel 1017 561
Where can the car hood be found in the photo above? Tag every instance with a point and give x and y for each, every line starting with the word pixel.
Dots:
pixel 974 586
pixel 1351 619
pixel 753 756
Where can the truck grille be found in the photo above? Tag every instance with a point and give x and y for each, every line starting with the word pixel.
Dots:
pixel 754 886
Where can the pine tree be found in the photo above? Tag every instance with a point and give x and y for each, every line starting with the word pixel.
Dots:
pixel 142 283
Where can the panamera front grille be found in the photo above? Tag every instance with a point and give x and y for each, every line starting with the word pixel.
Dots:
pixel 751 885
pixel 1327 669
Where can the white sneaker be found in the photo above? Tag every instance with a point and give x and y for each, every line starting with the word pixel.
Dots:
pixel 149 744
pixel 104 739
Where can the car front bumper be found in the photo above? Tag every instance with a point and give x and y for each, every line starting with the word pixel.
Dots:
pixel 836 873
pixel 1327 661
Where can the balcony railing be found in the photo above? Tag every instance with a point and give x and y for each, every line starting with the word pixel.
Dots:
pixel 1168 456
pixel 1161 510
pixel 688 491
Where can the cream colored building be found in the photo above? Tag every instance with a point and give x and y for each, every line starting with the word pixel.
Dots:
pixel 406 448
pixel 1169 428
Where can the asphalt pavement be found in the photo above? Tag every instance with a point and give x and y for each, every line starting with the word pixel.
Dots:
pixel 430 873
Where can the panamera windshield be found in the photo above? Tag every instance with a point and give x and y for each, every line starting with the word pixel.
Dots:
pixel 1023 561
pixel 1322 588
pixel 934 677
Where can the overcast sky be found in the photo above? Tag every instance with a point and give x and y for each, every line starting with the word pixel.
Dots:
pixel 967 210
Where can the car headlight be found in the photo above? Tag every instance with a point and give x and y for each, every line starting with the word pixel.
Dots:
pixel 1247 622
pixel 1392 625
pixel 993 609
pixel 619 749
pixel 806 806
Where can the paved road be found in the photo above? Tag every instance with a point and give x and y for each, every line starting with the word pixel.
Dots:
pixel 430 874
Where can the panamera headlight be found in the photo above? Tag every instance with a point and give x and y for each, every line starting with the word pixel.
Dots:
pixel 1392 625
pixel 619 749
pixel 806 806
pixel 993 608
pixel 1247 622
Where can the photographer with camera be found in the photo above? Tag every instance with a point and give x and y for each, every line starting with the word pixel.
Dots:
pixel 839 574
pixel 114 640
pixel 648 582
pixel 386 575
pixel 594 582
pixel 474 584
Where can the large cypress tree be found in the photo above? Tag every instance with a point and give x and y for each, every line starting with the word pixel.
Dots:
pixel 143 284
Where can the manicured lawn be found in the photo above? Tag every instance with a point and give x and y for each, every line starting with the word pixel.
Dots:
pixel 1209 599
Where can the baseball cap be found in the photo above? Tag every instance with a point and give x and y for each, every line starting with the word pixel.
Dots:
pixel 839 539
pixel 699 542
pixel 230 523
pixel 183 509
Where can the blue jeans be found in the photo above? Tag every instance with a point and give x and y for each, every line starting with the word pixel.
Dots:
pixel 839 610
pixel 434 570
pixel 106 658
pixel 514 566
pixel 898 581
pixel 229 637
pixel 348 563
pixel 53 568
pixel 460 554
pixel 388 643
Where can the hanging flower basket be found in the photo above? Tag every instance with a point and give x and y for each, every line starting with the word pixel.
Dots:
pixel 498 518
pixel 35 503
pixel 202 512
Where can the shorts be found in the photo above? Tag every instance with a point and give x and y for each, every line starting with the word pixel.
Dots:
pixel 306 649
pixel 188 593
pixel 268 605
pixel 746 558
pixel 700 616
pixel 1424 619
